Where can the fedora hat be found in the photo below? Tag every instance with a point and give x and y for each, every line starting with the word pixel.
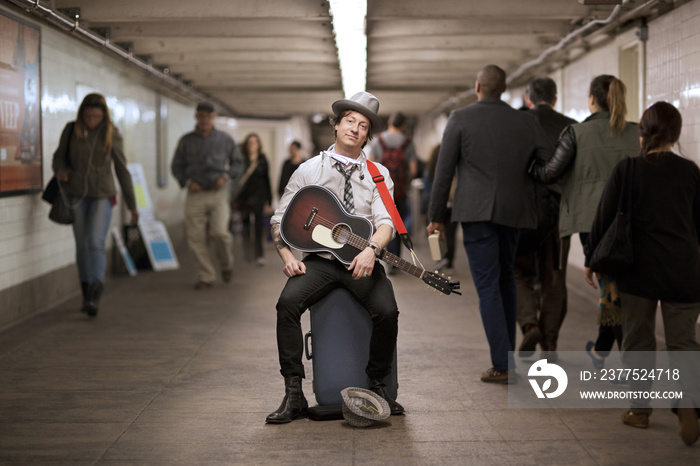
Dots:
pixel 366 104
pixel 362 407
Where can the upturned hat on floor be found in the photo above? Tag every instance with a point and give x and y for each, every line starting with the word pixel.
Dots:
pixel 365 103
pixel 362 407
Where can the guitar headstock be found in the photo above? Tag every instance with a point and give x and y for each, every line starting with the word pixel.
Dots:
pixel 442 284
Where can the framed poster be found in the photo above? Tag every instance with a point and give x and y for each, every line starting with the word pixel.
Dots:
pixel 20 107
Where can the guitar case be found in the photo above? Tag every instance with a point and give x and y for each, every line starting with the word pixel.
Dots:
pixel 338 346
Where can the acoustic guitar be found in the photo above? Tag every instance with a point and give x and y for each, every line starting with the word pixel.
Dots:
pixel 315 221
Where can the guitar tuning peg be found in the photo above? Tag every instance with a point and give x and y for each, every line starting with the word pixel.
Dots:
pixel 437 271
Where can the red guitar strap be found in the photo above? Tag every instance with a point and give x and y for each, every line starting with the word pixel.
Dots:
pixel 389 203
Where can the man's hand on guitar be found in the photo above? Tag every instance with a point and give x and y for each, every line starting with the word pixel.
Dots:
pixel 363 264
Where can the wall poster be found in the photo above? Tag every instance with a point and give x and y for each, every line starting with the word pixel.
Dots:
pixel 20 107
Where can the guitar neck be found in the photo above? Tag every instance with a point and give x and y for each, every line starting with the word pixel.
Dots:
pixel 394 260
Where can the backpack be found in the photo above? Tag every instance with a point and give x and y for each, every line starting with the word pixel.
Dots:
pixel 394 159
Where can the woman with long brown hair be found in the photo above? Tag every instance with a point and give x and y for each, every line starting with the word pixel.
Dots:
pixel 255 195
pixel 88 149
pixel 665 223
pixel 585 156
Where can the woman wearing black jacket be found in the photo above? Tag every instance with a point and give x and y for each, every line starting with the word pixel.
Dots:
pixel 665 228
pixel 255 195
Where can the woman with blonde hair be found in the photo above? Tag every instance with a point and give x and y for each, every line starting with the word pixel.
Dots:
pixel 585 156
pixel 88 149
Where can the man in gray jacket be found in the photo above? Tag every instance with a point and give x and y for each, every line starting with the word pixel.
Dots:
pixel 205 160
pixel 490 144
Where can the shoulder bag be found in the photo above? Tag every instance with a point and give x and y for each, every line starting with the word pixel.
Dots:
pixel 614 255
pixel 61 211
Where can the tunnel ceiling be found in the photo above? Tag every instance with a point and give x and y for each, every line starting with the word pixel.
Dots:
pixel 273 58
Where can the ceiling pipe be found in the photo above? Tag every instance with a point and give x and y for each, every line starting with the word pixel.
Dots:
pixel 565 41
pixel 73 27
pixel 606 23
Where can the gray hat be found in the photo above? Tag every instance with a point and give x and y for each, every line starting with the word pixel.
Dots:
pixel 366 104
pixel 362 407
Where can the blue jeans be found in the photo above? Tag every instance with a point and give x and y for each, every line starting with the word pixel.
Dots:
pixel 491 252
pixel 90 227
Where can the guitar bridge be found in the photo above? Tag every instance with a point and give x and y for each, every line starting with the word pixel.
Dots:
pixel 310 219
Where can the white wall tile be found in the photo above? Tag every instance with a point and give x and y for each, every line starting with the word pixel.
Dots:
pixel 30 245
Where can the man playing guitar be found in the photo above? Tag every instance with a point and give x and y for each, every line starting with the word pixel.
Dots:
pixel 342 170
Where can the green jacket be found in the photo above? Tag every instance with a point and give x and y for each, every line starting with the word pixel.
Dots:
pixel 598 150
pixel 584 159
pixel 91 165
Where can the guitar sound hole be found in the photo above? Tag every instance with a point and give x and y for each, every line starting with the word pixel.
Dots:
pixel 341 233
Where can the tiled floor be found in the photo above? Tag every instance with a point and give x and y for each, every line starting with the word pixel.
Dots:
pixel 169 375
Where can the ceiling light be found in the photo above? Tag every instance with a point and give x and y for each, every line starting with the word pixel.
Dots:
pixel 351 41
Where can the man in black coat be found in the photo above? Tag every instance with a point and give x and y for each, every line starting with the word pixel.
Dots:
pixel 490 144
pixel 539 257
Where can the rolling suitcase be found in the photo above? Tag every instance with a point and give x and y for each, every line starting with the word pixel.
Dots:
pixel 338 346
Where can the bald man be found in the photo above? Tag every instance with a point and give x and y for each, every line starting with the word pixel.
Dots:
pixel 490 144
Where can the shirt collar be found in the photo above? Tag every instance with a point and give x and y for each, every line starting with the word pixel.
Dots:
pixel 344 159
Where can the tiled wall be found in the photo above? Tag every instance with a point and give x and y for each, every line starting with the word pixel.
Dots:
pixel 672 74
pixel 30 245
pixel 673 70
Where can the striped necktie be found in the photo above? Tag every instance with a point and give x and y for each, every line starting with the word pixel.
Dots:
pixel 348 198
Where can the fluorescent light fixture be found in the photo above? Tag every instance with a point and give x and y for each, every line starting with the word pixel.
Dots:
pixel 349 27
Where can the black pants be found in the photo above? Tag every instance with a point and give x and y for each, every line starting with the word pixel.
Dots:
pixel 322 276
pixel 254 208
pixel 545 307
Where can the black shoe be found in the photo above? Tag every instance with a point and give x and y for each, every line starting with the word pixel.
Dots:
pixel 531 337
pixel 84 287
pixel 94 292
pixel 598 360
pixel 379 387
pixel 294 404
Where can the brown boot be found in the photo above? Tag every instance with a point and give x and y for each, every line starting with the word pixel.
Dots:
pixel 531 336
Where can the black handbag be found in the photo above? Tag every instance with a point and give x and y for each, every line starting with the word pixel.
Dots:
pixel 51 191
pixel 61 210
pixel 614 255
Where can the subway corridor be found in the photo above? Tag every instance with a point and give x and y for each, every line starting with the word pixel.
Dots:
pixel 169 375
